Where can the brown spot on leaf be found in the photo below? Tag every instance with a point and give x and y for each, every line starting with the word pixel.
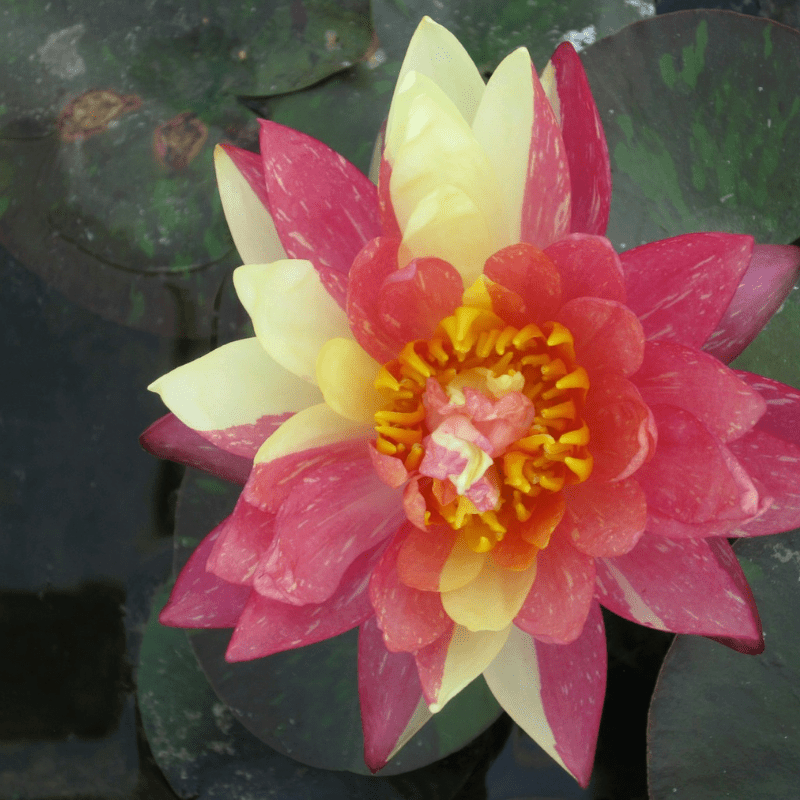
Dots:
pixel 92 112
pixel 176 143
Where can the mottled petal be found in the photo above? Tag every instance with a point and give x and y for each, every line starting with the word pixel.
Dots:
pixel 391 718
pixel 622 429
pixel 607 334
pixel 169 438
pixel 605 519
pixel 681 585
pixel 556 607
pixel 268 626
pixel 199 598
pixel 585 142
pixel 346 376
pixel 555 692
pixel 330 516
pixel 693 477
pixel 454 660
pixel 234 396
pixel 243 191
pixel 409 618
pixel 681 287
pixel 492 599
pixel 325 209
pixel 589 267
pixel 293 315
pixel 773 271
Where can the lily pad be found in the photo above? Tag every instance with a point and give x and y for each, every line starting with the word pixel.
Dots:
pixel 742 712
pixel 702 117
pixel 304 702
pixel 109 113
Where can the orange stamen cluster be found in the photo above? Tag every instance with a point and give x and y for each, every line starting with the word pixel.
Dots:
pixel 534 468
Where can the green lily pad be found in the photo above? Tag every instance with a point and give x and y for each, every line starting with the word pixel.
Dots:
pixel 109 114
pixel 304 702
pixel 702 117
pixel 723 724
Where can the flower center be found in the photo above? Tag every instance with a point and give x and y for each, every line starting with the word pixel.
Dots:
pixel 491 415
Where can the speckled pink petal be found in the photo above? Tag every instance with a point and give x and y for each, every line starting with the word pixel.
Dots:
pixel 605 519
pixel 331 515
pixel 546 208
pixel 324 208
pixel 247 533
pixel 622 430
pixel 268 626
pixel 389 718
pixel 608 336
pixel 556 607
pixel 530 273
pixel 682 585
pixel 555 692
pixel 423 554
pixel 199 598
pixel 690 379
pixel 681 287
pixel 371 266
pixel 772 273
pixel 409 618
pixel 693 477
pixel 782 416
pixel 589 267
pixel 389 469
pixel 169 438
pixel 585 142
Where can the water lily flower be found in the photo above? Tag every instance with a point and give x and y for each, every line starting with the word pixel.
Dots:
pixel 465 422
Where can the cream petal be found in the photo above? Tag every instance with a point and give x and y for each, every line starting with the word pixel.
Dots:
pixel 346 376
pixel 236 384
pixel 503 126
pixel 316 426
pixel 250 223
pixel 462 566
pixel 447 224
pixel 492 600
pixel 437 54
pixel 293 314
pixel 548 81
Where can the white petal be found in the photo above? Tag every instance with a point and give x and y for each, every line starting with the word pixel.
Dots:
pixel 293 314
pixel 436 53
pixel 236 384
pixel 250 223
pixel 316 426
pixel 503 126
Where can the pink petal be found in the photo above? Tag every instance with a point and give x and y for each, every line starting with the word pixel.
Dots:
pixel 409 618
pixel 413 300
pixel 389 469
pixel 530 273
pixel 324 208
pixel 200 599
pixel 693 477
pixel 681 585
pixel 246 535
pixel 585 142
pixel 331 515
pixel 251 166
pixel 782 417
pixel 423 554
pixel 608 336
pixel 622 430
pixel 556 607
pixel 374 263
pixel 772 273
pixel 682 376
pixel 605 519
pixel 546 210
pixel 589 267
pixel 170 439
pixel 681 287
pixel 555 692
pixel 245 440
pixel 389 718
pixel 268 626
pixel 271 482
